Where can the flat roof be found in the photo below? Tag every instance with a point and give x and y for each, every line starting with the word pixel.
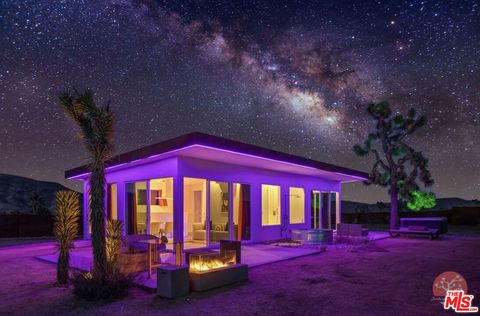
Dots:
pixel 189 145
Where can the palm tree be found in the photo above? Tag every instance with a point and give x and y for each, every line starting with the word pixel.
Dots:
pixel 95 124
pixel 65 229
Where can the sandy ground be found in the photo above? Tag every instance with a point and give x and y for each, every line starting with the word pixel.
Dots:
pixel 389 277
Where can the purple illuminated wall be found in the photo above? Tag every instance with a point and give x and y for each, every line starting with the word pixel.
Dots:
pixel 180 167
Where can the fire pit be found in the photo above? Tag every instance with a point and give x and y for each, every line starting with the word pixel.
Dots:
pixel 212 270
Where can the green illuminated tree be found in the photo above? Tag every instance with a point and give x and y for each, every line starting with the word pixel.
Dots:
pixel 397 165
pixel 421 200
pixel 95 124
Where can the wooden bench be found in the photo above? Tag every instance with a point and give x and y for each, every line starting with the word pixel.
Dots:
pixel 432 233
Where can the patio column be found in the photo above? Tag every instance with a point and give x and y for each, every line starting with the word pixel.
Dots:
pixel 338 202
pixel 178 224
pixel 207 213
pixel 231 232
pixel 308 207
pixel 86 220
pixel 329 212
pixel 147 217
pixel 121 197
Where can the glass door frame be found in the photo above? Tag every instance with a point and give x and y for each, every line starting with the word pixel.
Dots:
pixel 319 224
pixel 230 211
pixel 148 206
pixel 316 217
pixel 231 225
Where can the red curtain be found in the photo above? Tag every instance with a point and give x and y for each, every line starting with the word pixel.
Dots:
pixel 132 210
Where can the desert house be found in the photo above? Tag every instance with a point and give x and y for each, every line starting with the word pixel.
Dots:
pixel 199 189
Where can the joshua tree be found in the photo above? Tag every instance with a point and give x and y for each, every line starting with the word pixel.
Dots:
pixel 95 124
pixel 65 229
pixel 114 241
pixel 397 165
pixel 38 203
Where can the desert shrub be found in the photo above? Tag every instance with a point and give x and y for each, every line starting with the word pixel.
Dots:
pixel 113 244
pixel 113 286
pixel 65 229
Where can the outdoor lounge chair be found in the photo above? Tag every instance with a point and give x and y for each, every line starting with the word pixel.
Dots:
pixel 432 233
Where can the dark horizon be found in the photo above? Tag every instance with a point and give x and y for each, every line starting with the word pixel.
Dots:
pixel 290 76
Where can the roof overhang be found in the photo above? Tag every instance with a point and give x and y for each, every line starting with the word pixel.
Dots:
pixel 212 148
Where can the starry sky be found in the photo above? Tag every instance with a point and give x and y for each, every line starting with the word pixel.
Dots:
pixel 294 76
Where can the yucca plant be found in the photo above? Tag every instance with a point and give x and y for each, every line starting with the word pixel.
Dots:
pixel 65 229
pixel 114 241
pixel 95 124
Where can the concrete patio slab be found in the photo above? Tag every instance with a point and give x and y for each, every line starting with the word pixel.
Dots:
pixel 252 254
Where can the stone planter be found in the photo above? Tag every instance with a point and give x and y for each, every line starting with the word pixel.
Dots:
pixel 129 263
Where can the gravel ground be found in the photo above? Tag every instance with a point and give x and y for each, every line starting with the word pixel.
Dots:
pixel 388 277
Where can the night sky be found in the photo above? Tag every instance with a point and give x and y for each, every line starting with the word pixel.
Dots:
pixel 293 76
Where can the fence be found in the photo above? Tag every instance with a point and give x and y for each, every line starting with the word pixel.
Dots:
pixel 23 225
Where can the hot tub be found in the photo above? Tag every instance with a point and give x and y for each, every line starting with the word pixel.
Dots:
pixel 312 236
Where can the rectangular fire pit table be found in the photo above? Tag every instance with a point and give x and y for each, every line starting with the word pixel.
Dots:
pixel 215 269
pixel 210 279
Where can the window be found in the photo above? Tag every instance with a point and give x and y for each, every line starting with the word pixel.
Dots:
pixel 270 205
pixel 297 205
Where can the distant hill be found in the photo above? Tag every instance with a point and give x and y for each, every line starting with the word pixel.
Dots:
pixel 15 192
pixel 443 204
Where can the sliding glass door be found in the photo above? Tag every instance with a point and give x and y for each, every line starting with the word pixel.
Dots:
pixel 195 224
pixel 209 216
pixel 136 207
pixel 149 207
pixel 161 207
pixel 324 209
pixel 219 212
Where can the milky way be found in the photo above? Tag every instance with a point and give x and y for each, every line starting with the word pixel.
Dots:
pixel 294 76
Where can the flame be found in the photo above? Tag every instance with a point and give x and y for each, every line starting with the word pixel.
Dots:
pixel 210 262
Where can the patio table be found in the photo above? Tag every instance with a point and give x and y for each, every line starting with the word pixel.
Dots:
pixel 154 261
